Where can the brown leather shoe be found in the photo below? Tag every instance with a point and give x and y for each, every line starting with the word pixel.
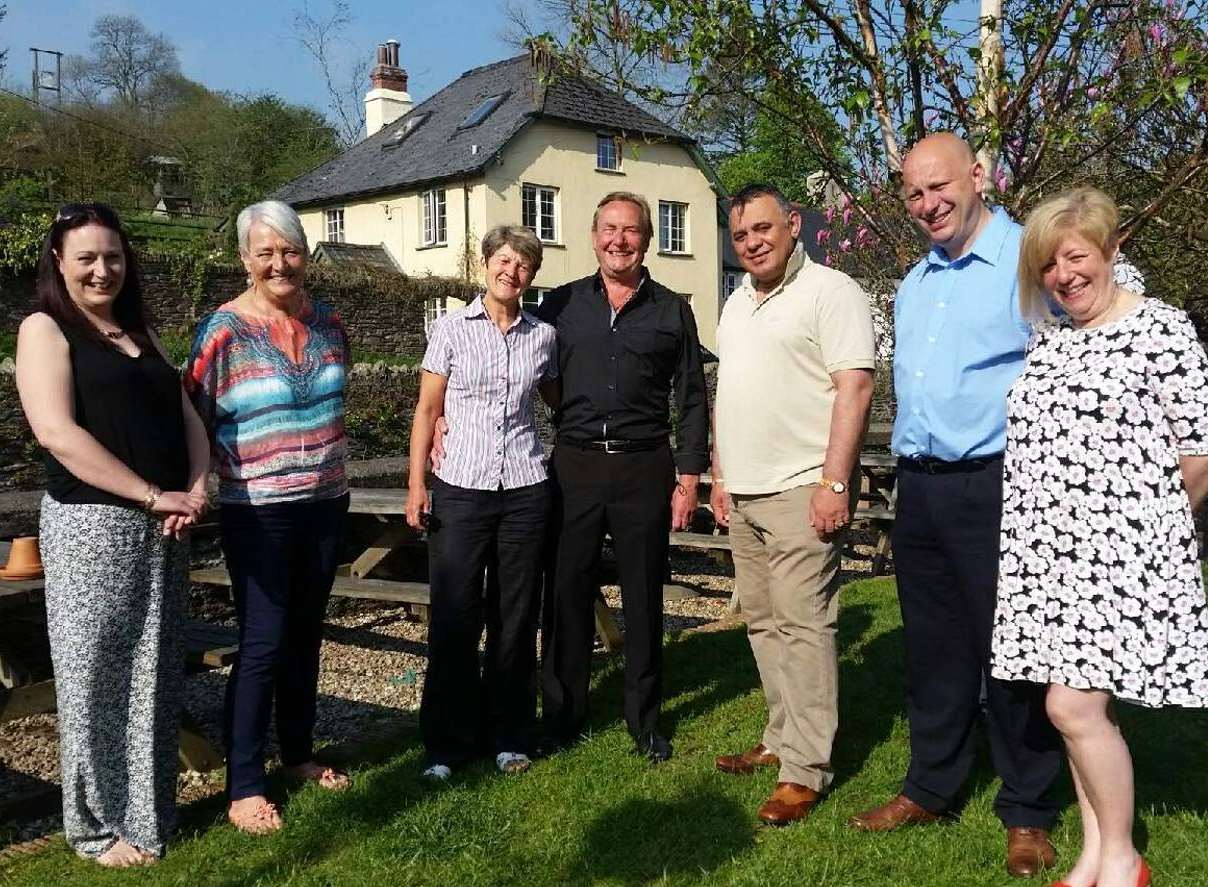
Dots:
pixel 897 813
pixel 789 803
pixel 744 764
pixel 1028 851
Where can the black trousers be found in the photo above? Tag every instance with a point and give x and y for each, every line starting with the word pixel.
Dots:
pixel 627 495
pixel 282 559
pixel 945 549
pixel 466 710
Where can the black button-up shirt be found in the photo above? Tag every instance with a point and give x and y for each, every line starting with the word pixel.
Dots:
pixel 617 376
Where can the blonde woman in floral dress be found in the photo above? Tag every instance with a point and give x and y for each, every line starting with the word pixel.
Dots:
pixel 1100 594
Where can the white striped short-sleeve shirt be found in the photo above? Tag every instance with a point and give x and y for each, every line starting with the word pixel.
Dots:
pixel 492 441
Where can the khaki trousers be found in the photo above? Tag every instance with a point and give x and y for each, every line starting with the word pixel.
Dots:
pixel 787 580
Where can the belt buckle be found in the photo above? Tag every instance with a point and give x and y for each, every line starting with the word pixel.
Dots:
pixel 608 447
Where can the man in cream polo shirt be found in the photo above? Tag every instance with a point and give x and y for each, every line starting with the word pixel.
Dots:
pixel 794 386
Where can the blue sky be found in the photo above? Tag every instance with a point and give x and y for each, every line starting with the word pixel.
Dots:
pixel 249 47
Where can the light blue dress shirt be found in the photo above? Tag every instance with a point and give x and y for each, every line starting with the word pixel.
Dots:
pixel 959 345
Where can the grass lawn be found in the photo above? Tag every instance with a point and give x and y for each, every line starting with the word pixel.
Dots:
pixel 599 815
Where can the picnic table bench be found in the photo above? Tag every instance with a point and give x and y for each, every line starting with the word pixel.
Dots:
pixel 27 688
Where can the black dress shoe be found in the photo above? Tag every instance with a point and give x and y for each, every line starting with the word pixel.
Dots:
pixel 653 745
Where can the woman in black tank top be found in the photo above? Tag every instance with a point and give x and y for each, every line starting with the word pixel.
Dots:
pixel 126 463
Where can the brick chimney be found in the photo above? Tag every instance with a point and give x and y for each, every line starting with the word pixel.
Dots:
pixel 387 99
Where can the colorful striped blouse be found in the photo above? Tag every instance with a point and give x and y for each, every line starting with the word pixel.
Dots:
pixel 271 393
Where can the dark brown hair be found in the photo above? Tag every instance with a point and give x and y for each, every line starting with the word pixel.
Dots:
pixel 52 296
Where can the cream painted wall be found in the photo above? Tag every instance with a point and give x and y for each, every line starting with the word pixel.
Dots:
pixel 561 157
pixel 564 157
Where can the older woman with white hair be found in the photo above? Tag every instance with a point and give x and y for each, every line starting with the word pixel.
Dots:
pixel 267 374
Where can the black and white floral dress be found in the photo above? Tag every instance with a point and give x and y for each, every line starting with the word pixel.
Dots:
pixel 1099 583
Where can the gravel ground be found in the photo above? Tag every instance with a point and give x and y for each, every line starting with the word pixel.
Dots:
pixel 372 670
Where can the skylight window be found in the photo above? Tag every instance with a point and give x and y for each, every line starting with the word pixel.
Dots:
pixel 410 124
pixel 483 111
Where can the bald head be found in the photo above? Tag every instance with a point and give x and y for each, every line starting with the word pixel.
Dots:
pixel 942 144
pixel 942 184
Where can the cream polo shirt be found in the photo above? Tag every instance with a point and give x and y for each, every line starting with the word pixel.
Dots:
pixel 774 390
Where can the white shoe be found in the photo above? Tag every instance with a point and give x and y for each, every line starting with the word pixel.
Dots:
pixel 512 762
pixel 437 773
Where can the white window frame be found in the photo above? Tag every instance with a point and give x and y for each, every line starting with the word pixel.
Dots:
pixel 526 303
pixel 543 218
pixel 603 139
pixel 433 309
pixel 333 225
pixel 669 243
pixel 434 218
pixel 730 281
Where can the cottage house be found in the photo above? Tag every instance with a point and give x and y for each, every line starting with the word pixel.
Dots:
pixel 505 144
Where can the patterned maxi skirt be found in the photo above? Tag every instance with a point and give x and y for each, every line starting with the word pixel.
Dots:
pixel 115 598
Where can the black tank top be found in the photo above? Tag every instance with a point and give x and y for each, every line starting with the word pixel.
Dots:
pixel 131 405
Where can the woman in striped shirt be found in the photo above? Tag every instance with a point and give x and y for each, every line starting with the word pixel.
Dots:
pixel 488 504
pixel 267 376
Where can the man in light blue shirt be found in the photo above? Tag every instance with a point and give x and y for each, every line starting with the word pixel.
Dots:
pixel 960 342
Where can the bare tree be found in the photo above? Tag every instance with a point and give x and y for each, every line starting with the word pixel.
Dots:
pixel 3 52
pixel 345 84
pixel 128 58
pixel 78 83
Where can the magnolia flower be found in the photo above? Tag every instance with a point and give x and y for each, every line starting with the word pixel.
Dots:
pixel 823 236
pixel 845 245
pixel 1000 180
pixel 1092 92
pixel 847 216
pixel 828 260
pixel 830 214
pixel 1157 32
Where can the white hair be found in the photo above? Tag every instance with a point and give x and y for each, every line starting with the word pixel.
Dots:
pixel 276 215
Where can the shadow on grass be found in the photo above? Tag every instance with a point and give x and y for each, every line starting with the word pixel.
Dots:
pixel 642 840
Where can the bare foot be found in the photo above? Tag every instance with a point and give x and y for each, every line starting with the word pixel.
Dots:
pixel 327 777
pixel 123 855
pixel 255 815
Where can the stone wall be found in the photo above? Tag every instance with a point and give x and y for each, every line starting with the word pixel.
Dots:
pixel 383 312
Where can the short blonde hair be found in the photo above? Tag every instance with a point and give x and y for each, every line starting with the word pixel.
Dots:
pixel 519 238
pixel 637 200
pixel 1084 211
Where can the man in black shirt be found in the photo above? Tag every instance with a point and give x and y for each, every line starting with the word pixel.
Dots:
pixel 624 342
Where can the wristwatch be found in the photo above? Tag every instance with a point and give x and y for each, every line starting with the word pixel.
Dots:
pixel 835 486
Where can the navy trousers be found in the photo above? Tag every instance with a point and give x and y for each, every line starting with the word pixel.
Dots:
pixel 467 709
pixel 282 560
pixel 945 550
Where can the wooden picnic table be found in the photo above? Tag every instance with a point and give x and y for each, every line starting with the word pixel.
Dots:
pixel 27 689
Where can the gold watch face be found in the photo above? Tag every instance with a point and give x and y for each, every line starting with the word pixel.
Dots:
pixel 838 487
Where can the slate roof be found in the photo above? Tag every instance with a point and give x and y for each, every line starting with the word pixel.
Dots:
pixel 437 150
pixel 346 254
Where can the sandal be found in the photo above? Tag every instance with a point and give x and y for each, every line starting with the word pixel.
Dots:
pixel 512 762
pixel 259 820
pixel 330 778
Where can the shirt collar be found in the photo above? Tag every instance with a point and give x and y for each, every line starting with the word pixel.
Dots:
pixel 988 246
pixel 797 260
pixel 478 309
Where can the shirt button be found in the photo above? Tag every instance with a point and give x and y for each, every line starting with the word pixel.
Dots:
pixel 931 339
pixel 918 373
pixel 941 305
pixel 612 387
pixel 915 410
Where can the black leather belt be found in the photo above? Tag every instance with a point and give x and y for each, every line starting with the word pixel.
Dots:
pixel 929 465
pixel 622 446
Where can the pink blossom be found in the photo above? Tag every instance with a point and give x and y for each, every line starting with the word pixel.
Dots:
pixel 828 260
pixel 1092 92
pixel 823 236
pixel 862 238
pixel 930 117
pixel 846 201
pixel 830 214
pixel 1157 32
pixel 847 216
pixel 1000 180
pixel 845 245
